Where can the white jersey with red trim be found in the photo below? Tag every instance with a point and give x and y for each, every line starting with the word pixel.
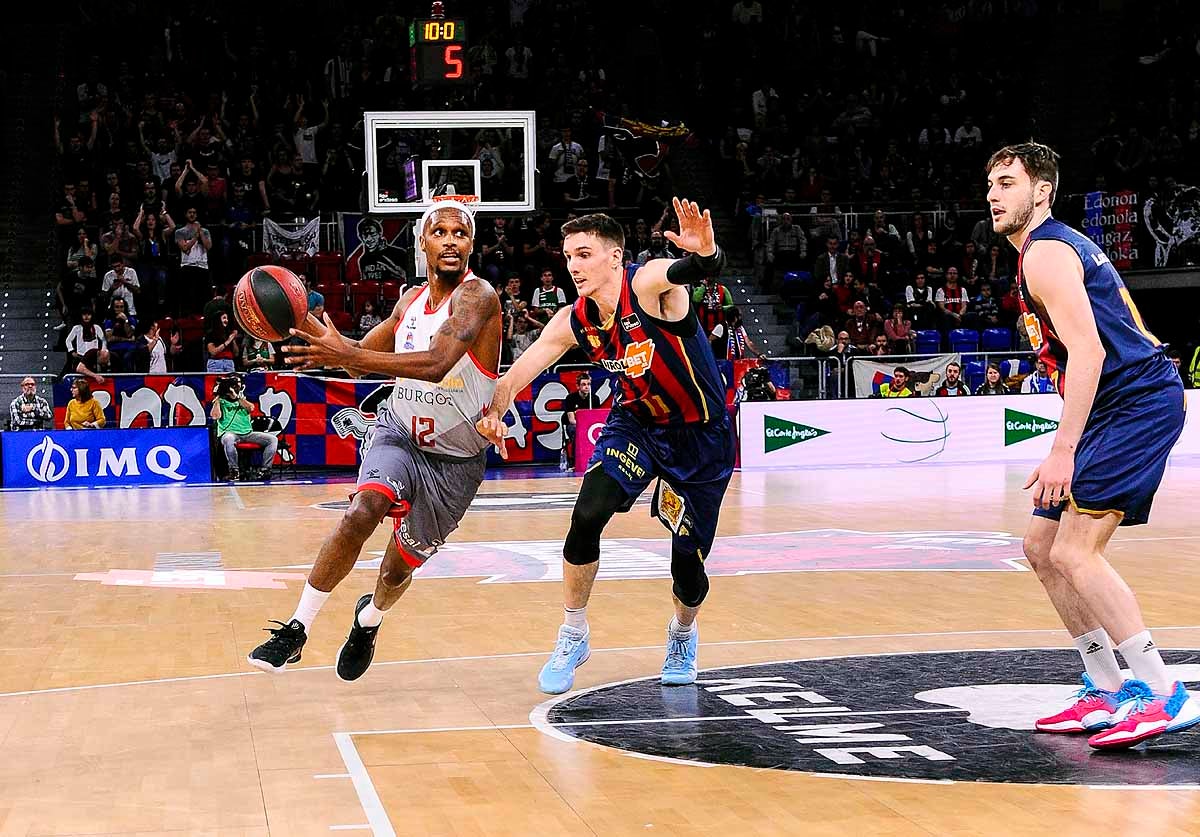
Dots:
pixel 440 417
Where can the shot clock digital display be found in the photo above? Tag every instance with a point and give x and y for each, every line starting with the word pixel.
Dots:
pixel 438 51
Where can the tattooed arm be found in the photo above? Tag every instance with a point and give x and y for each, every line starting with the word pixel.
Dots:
pixel 473 325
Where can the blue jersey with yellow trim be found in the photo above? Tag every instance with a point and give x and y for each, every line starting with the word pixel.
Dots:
pixel 666 371
pixel 1127 343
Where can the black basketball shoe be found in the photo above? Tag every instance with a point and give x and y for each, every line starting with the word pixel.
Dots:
pixel 282 649
pixel 356 653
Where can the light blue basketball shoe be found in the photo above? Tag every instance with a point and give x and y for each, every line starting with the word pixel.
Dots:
pixel 679 669
pixel 570 652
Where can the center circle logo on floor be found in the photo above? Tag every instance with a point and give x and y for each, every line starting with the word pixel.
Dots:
pixel 48 461
pixel 962 716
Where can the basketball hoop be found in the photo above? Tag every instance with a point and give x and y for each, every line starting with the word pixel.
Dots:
pixel 469 200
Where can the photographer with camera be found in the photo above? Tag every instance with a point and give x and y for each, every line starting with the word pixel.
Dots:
pixel 757 384
pixel 231 411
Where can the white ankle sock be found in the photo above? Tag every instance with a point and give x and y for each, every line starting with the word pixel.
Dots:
pixel 311 601
pixel 1099 660
pixel 576 617
pixel 1142 655
pixel 370 616
pixel 676 628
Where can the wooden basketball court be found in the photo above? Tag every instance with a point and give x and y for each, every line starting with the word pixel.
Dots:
pixel 126 706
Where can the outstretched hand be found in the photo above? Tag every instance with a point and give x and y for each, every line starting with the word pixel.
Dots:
pixel 695 228
pixel 327 347
pixel 493 428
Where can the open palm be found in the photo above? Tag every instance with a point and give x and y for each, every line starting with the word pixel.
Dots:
pixel 695 229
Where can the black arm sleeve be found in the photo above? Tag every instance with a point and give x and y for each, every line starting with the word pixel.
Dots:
pixel 694 268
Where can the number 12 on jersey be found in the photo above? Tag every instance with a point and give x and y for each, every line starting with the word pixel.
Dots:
pixel 422 431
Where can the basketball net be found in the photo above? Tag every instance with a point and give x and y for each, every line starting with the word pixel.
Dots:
pixel 467 203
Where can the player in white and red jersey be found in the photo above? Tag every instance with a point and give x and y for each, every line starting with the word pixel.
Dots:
pixel 424 461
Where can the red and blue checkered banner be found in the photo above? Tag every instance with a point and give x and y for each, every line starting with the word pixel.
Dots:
pixel 325 420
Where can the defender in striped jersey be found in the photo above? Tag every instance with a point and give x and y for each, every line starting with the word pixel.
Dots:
pixel 668 421
pixel 1122 413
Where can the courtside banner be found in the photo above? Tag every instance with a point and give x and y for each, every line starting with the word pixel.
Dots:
pixel 908 431
pixel 106 458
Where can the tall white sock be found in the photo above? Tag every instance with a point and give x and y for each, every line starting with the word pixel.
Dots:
pixel 1142 655
pixel 370 616
pixel 677 628
pixel 1099 660
pixel 576 617
pixel 311 601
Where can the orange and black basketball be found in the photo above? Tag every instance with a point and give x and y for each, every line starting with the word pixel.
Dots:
pixel 268 301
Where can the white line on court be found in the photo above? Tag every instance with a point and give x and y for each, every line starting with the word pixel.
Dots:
pixel 237 498
pixel 372 806
pixel 543 653
pixel 331 775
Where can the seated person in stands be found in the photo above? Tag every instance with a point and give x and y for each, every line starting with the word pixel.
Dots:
pixel 953 385
pixel 1040 380
pixel 898 386
pixel 83 410
pixel 231 412
pixel 120 331
pixel 257 355
pixel 29 411
pixel 87 349
pixel 992 385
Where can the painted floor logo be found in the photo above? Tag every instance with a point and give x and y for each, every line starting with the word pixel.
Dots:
pixel 780 433
pixel 1020 426
pixel 964 716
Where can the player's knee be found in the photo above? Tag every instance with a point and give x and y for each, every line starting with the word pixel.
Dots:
pixel 1037 550
pixel 690 581
pixel 1065 558
pixel 582 545
pixel 366 510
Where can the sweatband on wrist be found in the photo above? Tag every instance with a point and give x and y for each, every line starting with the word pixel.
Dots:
pixel 694 268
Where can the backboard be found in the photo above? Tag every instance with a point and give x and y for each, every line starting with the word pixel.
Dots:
pixel 410 154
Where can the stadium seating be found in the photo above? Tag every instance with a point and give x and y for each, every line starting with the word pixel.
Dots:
pixel 997 339
pixel 964 340
pixel 929 342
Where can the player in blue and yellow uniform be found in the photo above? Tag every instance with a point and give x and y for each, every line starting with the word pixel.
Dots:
pixel 668 421
pixel 1123 411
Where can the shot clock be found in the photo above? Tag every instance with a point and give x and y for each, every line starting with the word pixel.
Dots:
pixel 438 50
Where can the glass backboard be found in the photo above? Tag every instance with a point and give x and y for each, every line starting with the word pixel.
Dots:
pixel 413 155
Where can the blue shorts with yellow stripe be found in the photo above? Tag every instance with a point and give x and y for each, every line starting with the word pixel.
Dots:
pixel 1123 451
pixel 693 464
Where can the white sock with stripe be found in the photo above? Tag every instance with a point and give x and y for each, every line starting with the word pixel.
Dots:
pixel 1142 655
pixel 1099 661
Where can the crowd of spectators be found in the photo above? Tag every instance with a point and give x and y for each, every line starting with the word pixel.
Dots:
pixel 180 137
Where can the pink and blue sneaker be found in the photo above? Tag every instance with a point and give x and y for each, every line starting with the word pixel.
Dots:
pixel 1143 714
pixel 1092 709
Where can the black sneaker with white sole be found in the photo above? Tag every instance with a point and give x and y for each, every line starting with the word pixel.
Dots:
pixel 358 650
pixel 282 649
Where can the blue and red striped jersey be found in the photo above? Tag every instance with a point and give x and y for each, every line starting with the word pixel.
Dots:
pixel 1124 336
pixel 666 371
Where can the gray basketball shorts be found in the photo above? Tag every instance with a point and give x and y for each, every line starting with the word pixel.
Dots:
pixel 437 489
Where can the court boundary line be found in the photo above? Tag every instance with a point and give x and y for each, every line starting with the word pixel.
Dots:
pixel 539 719
pixel 616 649
pixel 377 817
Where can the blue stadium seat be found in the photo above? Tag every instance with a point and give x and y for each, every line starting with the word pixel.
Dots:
pixel 974 372
pixel 964 340
pixel 929 342
pixel 1024 366
pixel 997 339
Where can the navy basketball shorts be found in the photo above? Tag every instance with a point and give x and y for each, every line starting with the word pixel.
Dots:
pixel 438 490
pixel 693 464
pixel 1123 451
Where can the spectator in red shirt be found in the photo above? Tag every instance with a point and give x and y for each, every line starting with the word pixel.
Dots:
pixel 951 300
pixel 899 331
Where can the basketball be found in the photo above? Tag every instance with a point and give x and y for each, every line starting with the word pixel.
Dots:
pixel 268 301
